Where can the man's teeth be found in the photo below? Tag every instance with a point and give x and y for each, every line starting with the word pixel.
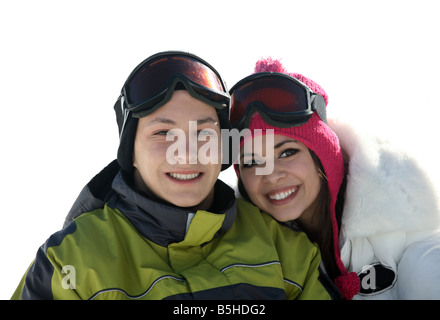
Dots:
pixel 282 195
pixel 179 176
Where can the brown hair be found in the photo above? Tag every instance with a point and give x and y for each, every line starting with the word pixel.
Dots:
pixel 321 230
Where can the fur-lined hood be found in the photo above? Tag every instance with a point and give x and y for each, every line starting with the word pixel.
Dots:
pixel 391 219
pixel 387 189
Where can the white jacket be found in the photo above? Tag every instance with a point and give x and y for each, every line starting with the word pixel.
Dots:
pixel 391 217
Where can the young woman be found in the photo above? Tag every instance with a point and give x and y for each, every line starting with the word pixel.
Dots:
pixel 389 212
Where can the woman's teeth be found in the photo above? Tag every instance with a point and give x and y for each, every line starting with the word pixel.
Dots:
pixel 282 195
pixel 180 176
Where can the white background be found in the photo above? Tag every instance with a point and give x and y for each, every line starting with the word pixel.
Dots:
pixel 63 64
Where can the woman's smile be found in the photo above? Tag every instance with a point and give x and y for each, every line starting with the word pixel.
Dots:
pixel 283 196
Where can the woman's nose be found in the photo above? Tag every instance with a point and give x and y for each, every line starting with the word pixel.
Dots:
pixel 277 174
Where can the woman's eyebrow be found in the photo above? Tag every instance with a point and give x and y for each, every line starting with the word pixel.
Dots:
pixel 247 155
pixel 280 144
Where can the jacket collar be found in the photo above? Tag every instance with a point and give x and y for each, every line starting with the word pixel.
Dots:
pixel 95 194
pixel 164 223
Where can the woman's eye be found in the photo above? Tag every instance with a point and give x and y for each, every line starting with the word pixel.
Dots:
pixel 288 152
pixel 252 163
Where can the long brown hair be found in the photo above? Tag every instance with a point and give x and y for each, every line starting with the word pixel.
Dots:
pixel 321 230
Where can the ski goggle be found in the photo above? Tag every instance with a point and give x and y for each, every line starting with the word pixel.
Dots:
pixel 281 100
pixel 152 82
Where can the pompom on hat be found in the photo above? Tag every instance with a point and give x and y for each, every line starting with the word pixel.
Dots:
pixel 318 137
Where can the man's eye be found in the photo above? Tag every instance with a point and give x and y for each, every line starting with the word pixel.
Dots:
pixel 171 132
pixel 207 132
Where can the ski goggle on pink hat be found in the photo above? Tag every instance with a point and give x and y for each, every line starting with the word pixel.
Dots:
pixel 280 99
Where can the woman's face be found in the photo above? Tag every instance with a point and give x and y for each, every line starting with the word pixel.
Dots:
pixel 290 191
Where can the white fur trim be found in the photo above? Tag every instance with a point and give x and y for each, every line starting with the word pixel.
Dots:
pixel 387 190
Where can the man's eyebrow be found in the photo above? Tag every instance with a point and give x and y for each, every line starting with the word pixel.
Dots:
pixel 172 122
pixel 207 120
pixel 161 120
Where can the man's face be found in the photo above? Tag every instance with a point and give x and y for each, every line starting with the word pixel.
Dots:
pixel 185 179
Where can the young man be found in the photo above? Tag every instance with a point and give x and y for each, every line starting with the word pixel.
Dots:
pixel 156 223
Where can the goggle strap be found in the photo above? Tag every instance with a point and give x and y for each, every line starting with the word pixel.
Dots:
pixel 125 113
pixel 318 104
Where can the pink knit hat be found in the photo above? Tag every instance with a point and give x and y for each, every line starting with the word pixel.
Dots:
pixel 318 137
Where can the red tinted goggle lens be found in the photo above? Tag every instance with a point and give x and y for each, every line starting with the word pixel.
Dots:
pixel 154 76
pixel 279 93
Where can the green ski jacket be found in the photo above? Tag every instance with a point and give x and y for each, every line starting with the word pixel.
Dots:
pixel 120 244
